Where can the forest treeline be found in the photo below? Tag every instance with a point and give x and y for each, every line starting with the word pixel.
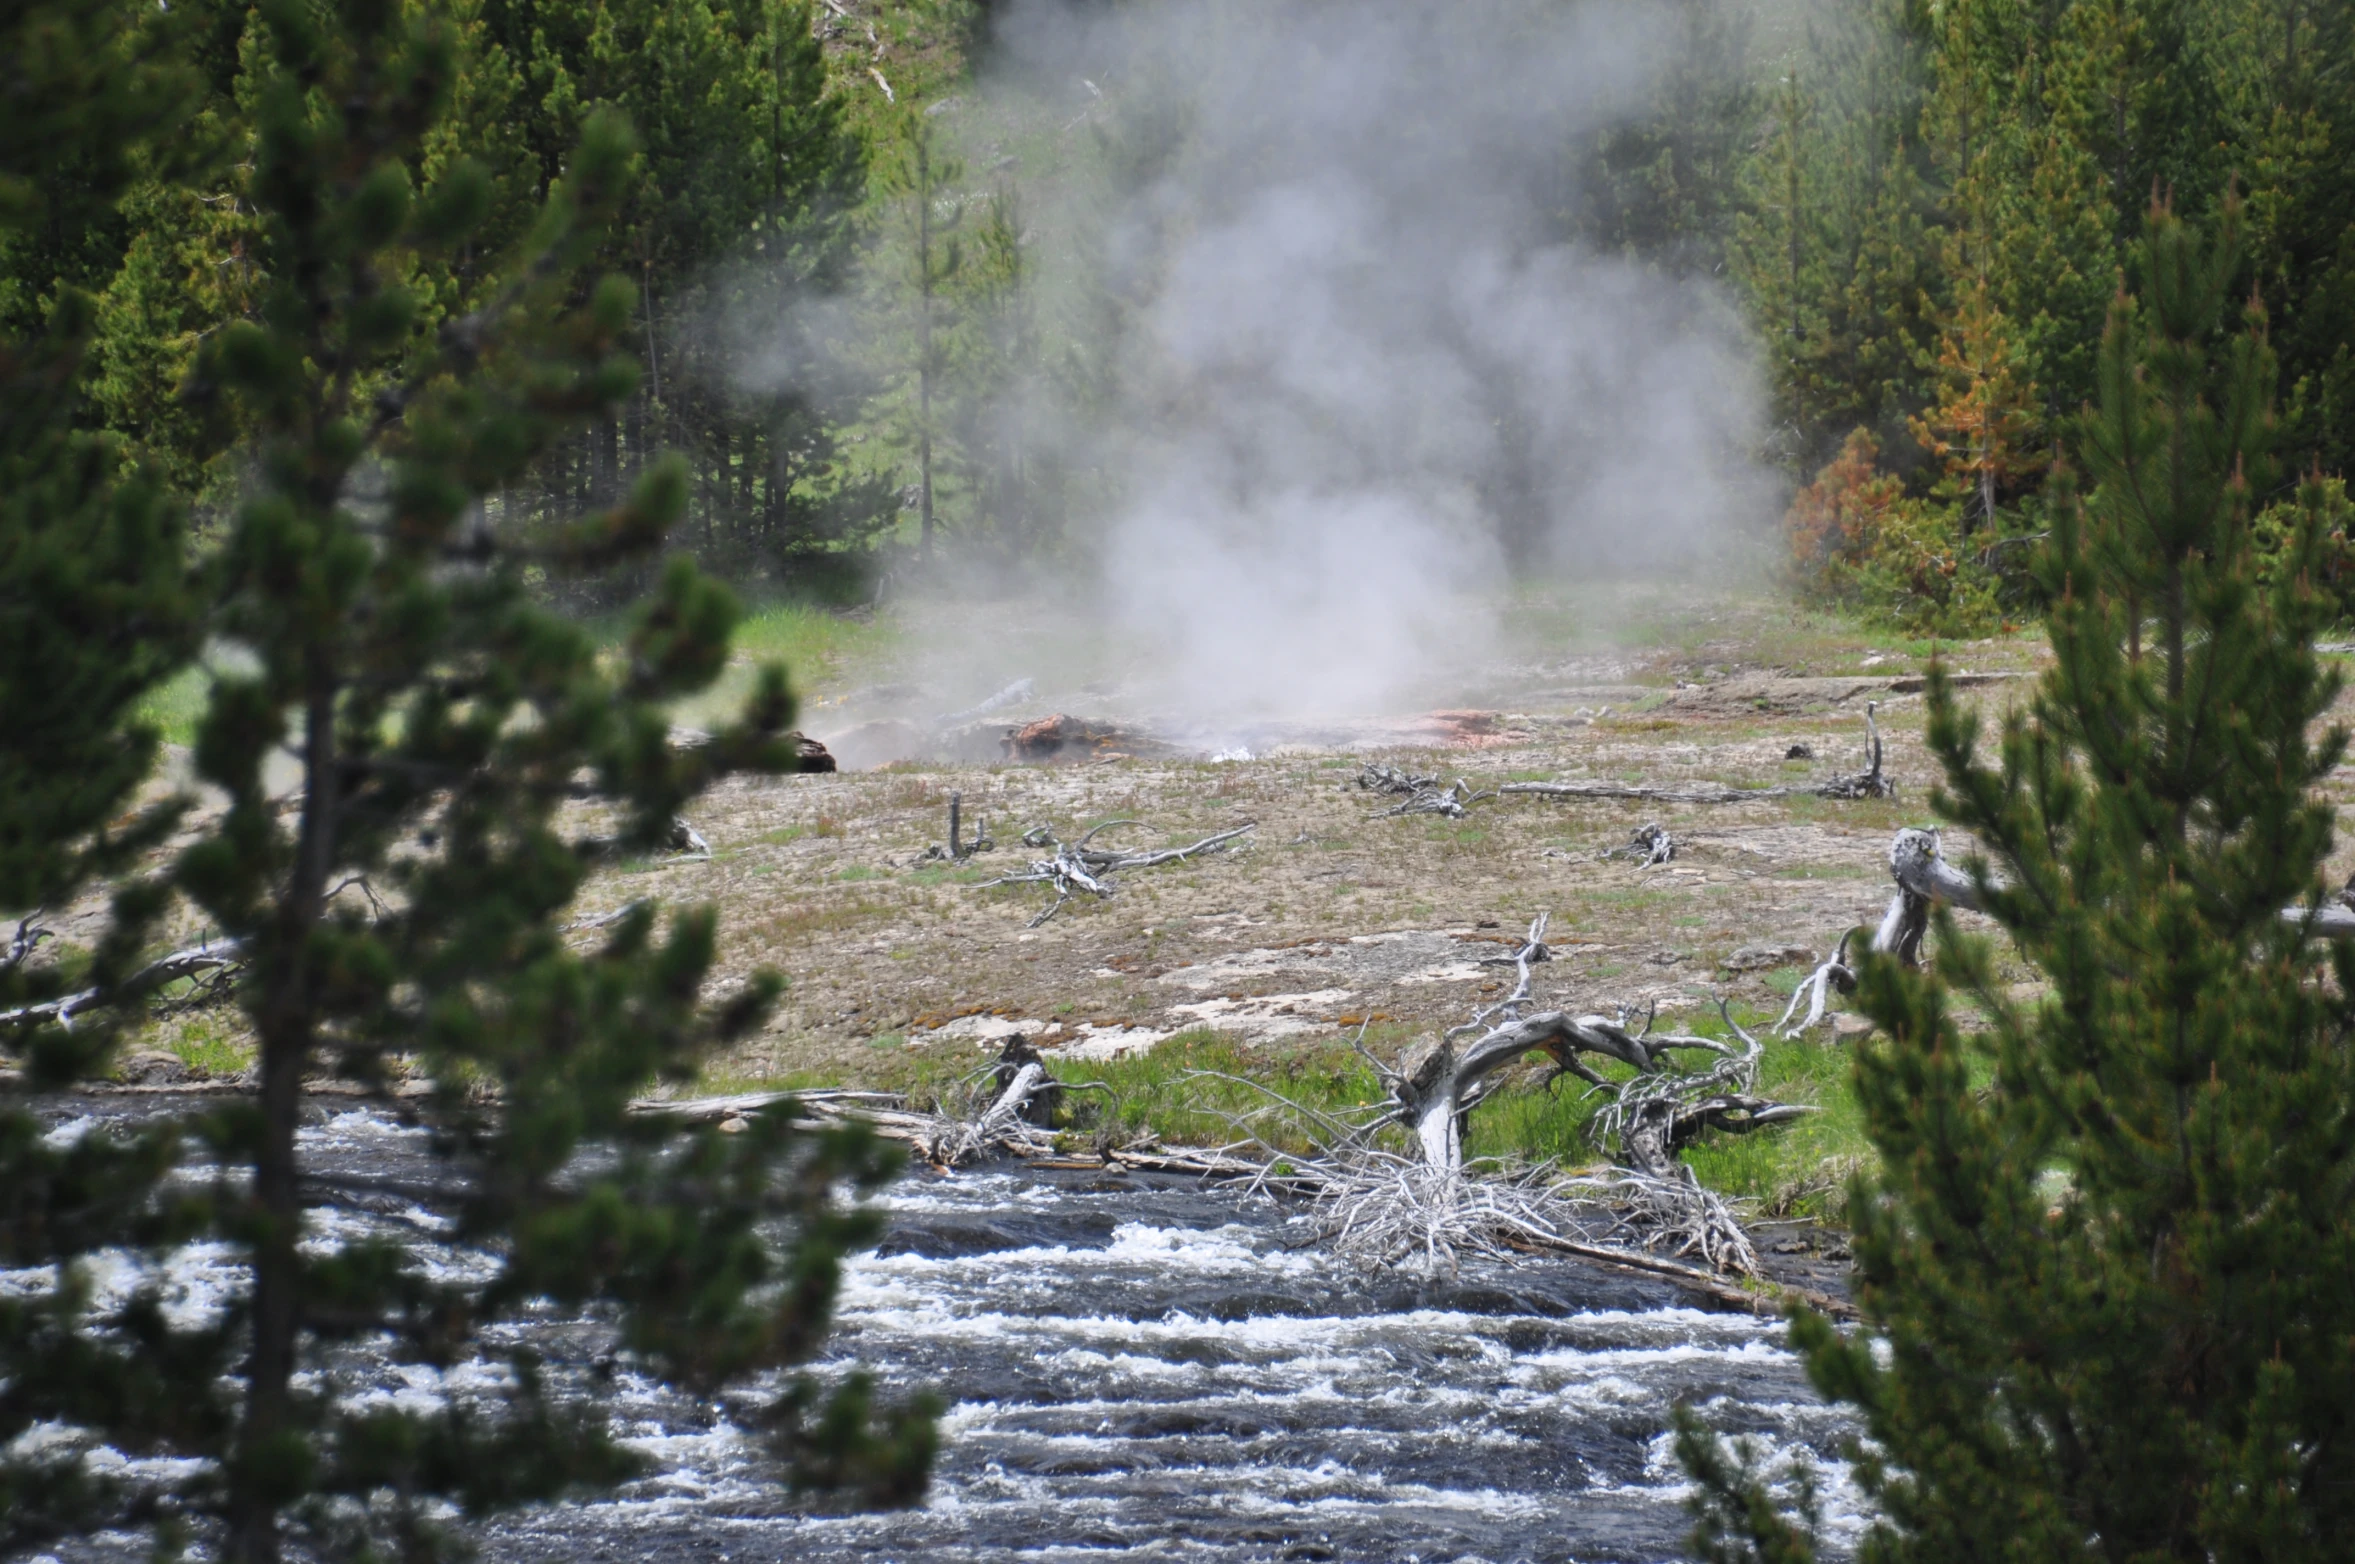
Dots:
pixel 1927 207
pixel 1923 210
pixel 749 189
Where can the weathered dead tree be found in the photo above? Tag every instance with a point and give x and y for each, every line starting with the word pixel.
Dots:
pixel 959 849
pixel 1816 990
pixel 1418 795
pixel 1871 782
pixel 1924 879
pixel 1433 1090
pixel 1376 777
pixel 1429 1204
pixel 1077 869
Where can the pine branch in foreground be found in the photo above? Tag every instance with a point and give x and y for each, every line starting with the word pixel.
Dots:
pixel 444 723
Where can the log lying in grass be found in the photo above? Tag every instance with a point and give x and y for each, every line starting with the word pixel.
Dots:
pixel 1871 782
pixel 221 959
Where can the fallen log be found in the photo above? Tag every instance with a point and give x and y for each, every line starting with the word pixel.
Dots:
pixel 218 956
pixel 1758 1296
pixel 1871 782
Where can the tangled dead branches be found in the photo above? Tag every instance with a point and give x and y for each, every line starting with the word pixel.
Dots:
pixel 1647 847
pixel 1428 1205
pixel 1075 868
pixel 1418 795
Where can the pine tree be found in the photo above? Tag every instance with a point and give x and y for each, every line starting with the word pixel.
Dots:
pixel 2109 1293
pixel 928 259
pixel 94 602
pixel 1835 253
pixel 1982 428
pixel 400 915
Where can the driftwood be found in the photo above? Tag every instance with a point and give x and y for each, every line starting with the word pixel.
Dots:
pixel 1871 782
pixel 1428 1204
pixel 217 960
pixel 1076 868
pixel 1410 1205
pixel 1647 847
pixel 1925 878
pixel 1816 990
pixel 1418 795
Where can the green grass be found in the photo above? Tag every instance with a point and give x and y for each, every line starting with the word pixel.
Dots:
pixel 813 643
pixel 1161 1091
pixel 1165 1091
pixel 210 1046
pixel 818 646
pixel 174 705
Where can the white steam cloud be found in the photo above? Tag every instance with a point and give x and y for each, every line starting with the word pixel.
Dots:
pixel 1369 377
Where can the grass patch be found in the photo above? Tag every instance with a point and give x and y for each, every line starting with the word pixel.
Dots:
pixel 174 706
pixel 818 646
pixel 1156 1091
pixel 1161 1092
pixel 210 1045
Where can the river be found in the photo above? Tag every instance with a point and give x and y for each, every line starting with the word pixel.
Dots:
pixel 1141 1369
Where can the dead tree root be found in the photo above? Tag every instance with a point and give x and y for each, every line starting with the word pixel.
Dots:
pixel 1418 795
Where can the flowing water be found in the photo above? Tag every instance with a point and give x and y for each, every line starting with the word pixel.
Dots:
pixel 1150 1370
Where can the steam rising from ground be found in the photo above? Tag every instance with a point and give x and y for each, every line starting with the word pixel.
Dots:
pixel 1369 376
pixel 1333 363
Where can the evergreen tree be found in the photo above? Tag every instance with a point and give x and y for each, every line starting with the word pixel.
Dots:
pixel 94 605
pixel 747 211
pixel 1835 253
pixel 400 912
pixel 1982 427
pixel 926 260
pixel 1663 187
pixel 2109 1293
